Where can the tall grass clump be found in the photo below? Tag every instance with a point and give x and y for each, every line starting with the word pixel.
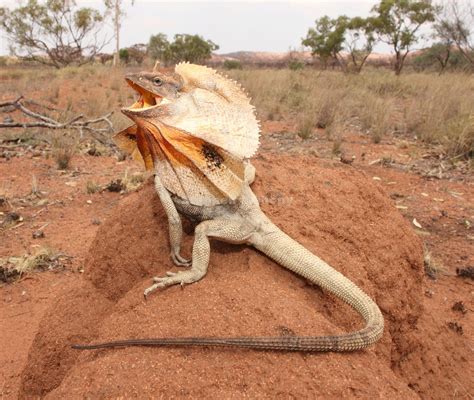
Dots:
pixel 305 128
pixel 376 117
pixel 301 95
pixel 63 149
pixel 443 113
pixel 435 109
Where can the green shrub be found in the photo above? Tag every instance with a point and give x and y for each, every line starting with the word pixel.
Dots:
pixel 295 65
pixel 232 64
pixel 124 56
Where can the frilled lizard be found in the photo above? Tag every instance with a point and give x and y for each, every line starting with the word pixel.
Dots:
pixel 196 129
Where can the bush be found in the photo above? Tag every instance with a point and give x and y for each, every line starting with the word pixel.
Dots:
pixel 184 47
pixel 437 58
pixel 63 149
pixel 232 64
pixel 295 65
pixel 305 128
pixel 124 56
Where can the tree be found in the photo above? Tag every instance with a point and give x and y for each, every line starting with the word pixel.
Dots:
pixel 441 52
pixel 135 53
pixel 326 39
pixel 397 23
pixel 192 48
pixel 359 41
pixel 115 7
pixel 124 56
pixel 330 37
pixel 438 53
pixel 54 32
pixel 158 46
pixel 455 26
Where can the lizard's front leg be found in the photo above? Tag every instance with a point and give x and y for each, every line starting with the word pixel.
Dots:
pixel 174 224
pixel 229 231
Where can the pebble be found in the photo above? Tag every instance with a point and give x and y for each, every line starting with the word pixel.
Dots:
pixel 38 234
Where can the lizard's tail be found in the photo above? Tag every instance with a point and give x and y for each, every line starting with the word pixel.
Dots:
pixel 284 250
pixel 290 254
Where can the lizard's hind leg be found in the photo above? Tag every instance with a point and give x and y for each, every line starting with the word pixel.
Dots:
pixel 225 230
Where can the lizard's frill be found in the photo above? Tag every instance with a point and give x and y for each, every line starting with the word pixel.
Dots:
pixel 216 110
pixel 189 167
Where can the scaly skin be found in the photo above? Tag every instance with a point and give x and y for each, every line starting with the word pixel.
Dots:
pixel 197 128
pixel 242 221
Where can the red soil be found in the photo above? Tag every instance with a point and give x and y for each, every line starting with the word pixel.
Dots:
pixel 342 215
pixel 333 210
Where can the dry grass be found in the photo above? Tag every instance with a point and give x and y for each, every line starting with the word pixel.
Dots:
pixel 63 149
pixel 443 112
pixel 89 90
pixel 128 182
pixel 432 267
pixel 375 117
pixel 305 128
pixel 42 259
pixel 92 187
pixel 132 181
pixel 435 109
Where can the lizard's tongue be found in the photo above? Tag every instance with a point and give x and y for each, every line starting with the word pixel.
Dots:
pixel 146 100
pixel 150 100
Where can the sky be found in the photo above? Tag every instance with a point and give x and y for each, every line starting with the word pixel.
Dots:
pixel 233 25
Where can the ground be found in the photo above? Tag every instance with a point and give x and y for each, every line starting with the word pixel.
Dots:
pixel 436 203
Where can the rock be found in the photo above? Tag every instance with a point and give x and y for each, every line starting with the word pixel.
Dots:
pixel 38 234
pixel 115 186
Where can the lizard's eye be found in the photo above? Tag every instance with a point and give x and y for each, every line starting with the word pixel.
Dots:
pixel 157 81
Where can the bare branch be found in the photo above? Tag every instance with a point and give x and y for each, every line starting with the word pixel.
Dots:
pixel 45 106
pixel 44 121
pixel 11 103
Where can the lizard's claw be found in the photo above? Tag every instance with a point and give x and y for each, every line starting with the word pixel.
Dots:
pixel 179 260
pixel 174 278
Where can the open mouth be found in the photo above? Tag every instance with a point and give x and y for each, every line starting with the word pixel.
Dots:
pixel 145 99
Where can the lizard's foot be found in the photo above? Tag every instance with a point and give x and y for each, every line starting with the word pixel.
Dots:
pixel 174 278
pixel 180 261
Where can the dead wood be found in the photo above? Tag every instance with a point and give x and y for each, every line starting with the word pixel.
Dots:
pixel 40 120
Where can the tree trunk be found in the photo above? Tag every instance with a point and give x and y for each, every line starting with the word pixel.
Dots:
pixel 465 54
pixel 398 64
pixel 399 61
pixel 341 62
pixel 117 33
pixel 443 61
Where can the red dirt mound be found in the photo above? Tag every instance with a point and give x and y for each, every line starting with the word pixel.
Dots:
pixel 333 210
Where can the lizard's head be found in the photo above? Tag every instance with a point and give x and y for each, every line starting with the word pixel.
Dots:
pixel 193 99
pixel 154 89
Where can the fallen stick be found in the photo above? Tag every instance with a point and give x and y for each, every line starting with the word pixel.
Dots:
pixel 44 121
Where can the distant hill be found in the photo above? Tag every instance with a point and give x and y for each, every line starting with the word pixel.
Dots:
pixel 262 57
pixel 267 58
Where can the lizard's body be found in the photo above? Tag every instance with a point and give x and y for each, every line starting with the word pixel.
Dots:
pixel 240 220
